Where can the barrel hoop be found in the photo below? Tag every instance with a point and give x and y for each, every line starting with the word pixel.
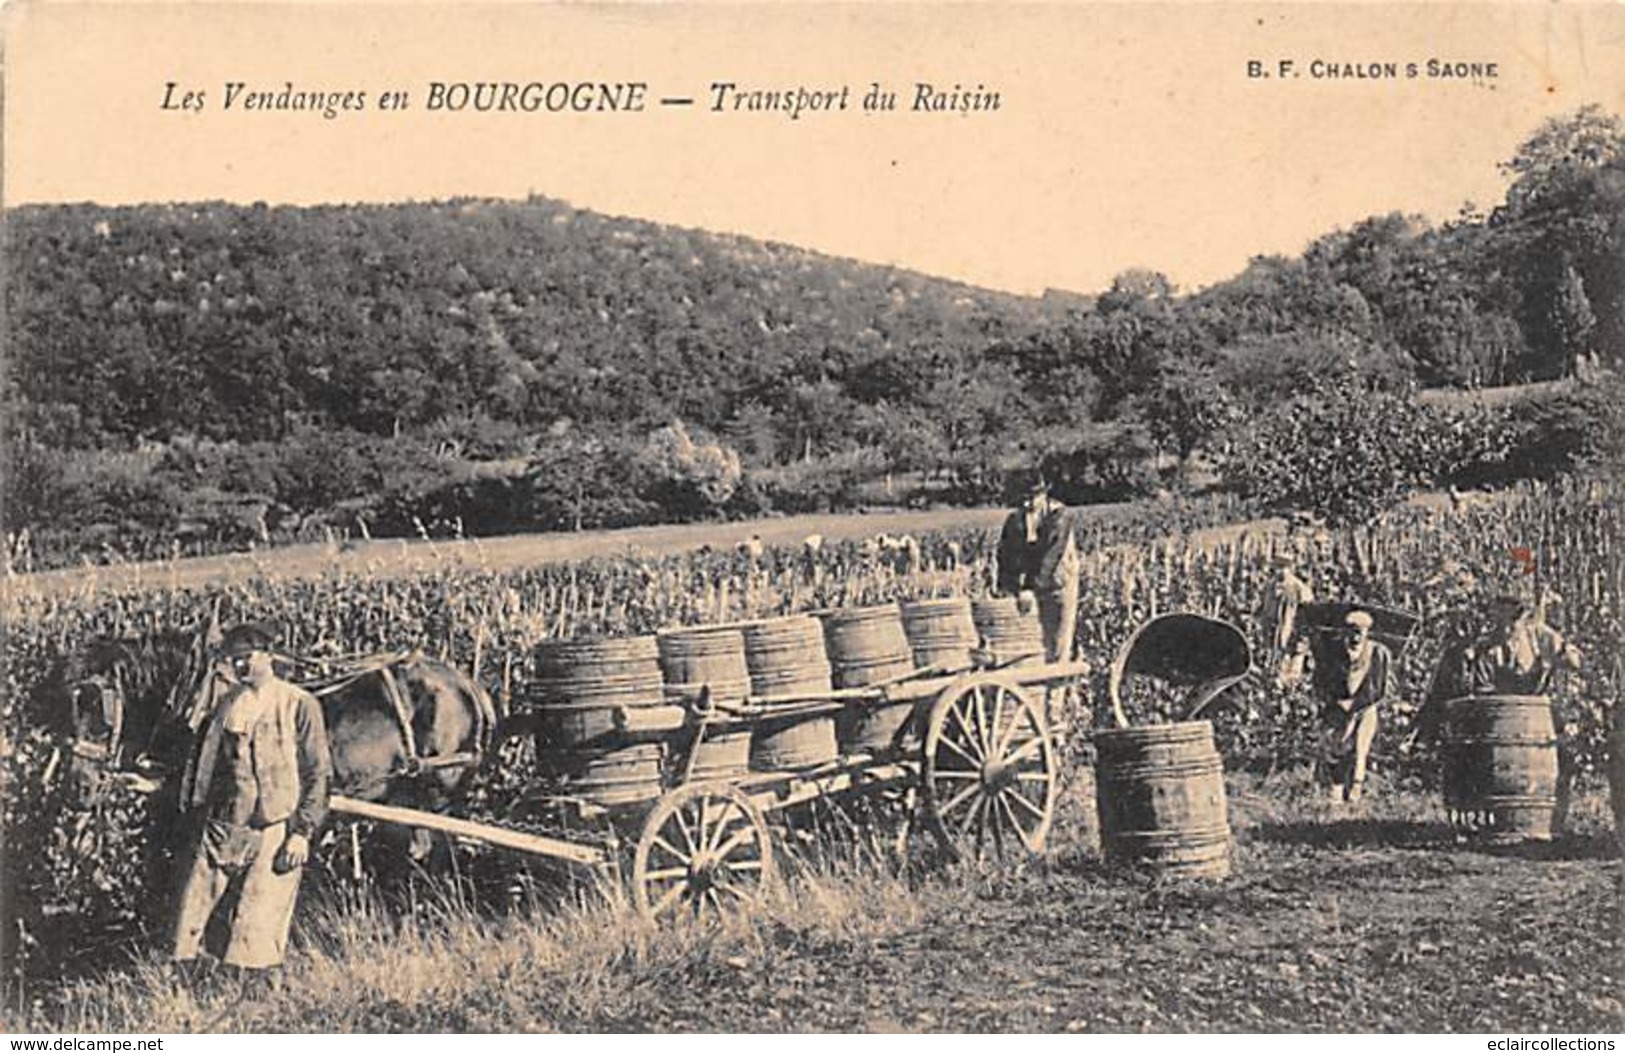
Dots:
pixel 1193 838
pixel 1513 800
pixel 1155 735
pixel 1112 775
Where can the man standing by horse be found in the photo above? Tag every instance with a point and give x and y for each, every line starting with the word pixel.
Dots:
pixel 256 791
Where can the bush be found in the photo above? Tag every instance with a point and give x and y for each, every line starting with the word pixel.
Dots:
pixel 1549 437
pixel 1345 452
pixel 1119 466
pixel 820 484
pixel 685 479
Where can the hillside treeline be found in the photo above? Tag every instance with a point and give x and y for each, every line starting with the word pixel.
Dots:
pixel 221 374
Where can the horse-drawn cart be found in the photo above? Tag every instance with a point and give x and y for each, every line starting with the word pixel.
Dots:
pixel 676 790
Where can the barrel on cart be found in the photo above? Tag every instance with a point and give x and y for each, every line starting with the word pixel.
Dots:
pixel 584 690
pixel 868 648
pixel 941 633
pixel 705 666
pixel 1009 634
pixel 789 668
pixel 1500 767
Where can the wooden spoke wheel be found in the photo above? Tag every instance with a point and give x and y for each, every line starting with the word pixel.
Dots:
pixel 989 773
pixel 704 849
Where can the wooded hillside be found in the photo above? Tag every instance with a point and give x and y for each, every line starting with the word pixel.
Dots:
pixel 200 369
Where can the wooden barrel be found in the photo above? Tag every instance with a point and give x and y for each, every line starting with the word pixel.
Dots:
pixel 1160 797
pixel 623 775
pixel 941 632
pixel 1500 766
pixel 867 646
pixel 579 683
pixel 711 659
pixel 1008 636
pixel 785 656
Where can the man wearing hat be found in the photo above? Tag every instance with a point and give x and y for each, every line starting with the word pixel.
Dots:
pixel 1039 563
pixel 1520 656
pixel 1354 684
pixel 256 792
pixel 1521 652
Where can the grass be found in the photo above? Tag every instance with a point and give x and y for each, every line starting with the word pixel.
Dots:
pixel 592 965
pixel 1342 921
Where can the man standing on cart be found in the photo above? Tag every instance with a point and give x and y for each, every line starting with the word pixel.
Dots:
pixel 1039 564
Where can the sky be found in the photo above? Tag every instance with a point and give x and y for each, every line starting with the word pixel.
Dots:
pixel 1126 135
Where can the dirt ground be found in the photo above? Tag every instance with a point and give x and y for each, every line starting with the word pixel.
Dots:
pixel 1376 920
pixel 1328 924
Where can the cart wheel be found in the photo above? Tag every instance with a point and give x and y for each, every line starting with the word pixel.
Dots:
pixel 989 769
pixel 704 848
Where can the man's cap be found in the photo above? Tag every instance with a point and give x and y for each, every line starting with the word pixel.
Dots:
pixel 1037 486
pixel 1358 619
pixel 247 637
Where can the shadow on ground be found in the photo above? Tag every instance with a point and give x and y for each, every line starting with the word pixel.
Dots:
pixel 1406 834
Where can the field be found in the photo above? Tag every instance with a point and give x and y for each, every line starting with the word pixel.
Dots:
pixel 1372 920
pixel 1331 922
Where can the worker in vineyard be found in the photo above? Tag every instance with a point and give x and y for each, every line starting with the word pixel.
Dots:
pixel 1353 687
pixel 1039 564
pixel 1521 653
pixel 255 791
pixel 1290 647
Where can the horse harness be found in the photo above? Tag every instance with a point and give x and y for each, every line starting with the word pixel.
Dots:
pixel 111 694
pixel 112 688
pixel 400 706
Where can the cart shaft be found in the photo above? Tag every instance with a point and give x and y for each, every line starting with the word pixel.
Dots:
pixel 532 844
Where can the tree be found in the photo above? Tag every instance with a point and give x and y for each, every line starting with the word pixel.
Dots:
pixel 1344 451
pixel 1561 153
pixel 1186 410
pixel 1565 210
pixel 1572 320
pixel 686 479
pixel 579 480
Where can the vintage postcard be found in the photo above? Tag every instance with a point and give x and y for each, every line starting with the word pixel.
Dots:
pixel 847 517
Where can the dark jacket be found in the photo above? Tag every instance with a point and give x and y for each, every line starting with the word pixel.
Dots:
pixel 1374 689
pixel 291 762
pixel 1495 671
pixel 1050 562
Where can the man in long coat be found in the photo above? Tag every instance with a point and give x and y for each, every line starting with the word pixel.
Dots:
pixel 256 792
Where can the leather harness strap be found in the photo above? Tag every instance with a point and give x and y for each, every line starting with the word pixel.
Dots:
pixel 403 716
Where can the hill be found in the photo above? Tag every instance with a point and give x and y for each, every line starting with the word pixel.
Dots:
pixel 212 374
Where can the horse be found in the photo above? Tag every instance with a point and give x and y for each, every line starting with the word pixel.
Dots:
pixel 402 728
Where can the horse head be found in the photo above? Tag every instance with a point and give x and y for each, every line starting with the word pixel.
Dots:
pixel 129 705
